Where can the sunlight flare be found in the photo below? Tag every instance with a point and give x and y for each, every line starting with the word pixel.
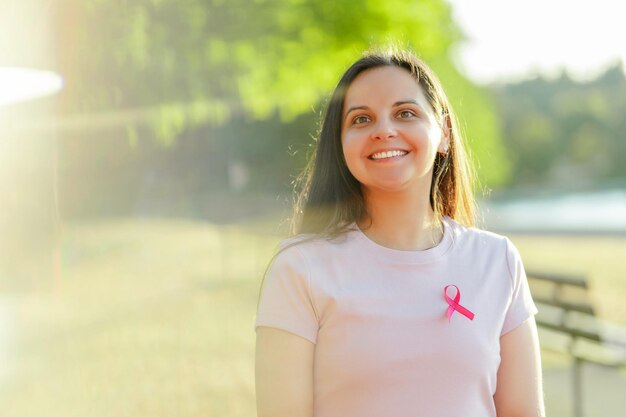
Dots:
pixel 21 84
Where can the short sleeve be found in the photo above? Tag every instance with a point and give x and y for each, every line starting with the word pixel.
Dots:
pixel 521 306
pixel 285 301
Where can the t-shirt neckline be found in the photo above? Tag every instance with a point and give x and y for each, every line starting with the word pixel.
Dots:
pixel 408 256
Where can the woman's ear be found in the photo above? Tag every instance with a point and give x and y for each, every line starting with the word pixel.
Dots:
pixel 446 128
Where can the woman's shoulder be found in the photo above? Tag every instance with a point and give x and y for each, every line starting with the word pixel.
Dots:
pixel 311 245
pixel 316 241
pixel 474 243
pixel 300 254
pixel 476 234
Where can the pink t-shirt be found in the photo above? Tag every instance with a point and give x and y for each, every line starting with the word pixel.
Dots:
pixel 378 318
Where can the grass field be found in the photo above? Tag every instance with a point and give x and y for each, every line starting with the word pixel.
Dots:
pixel 155 318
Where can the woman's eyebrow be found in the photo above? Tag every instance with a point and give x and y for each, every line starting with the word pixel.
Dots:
pixel 351 109
pixel 400 103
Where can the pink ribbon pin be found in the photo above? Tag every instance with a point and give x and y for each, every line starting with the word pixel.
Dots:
pixel 454 303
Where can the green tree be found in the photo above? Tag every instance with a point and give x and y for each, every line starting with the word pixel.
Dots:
pixel 565 132
pixel 198 62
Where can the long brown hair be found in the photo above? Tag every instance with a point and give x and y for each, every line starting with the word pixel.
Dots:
pixel 330 199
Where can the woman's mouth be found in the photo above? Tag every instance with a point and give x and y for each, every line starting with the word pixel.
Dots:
pixel 387 154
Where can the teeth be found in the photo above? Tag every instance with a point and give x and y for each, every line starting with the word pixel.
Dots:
pixel 388 154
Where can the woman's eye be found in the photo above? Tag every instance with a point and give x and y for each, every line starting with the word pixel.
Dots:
pixel 360 119
pixel 406 114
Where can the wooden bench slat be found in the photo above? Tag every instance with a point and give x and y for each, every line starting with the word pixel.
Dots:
pixel 569 330
pixel 582 308
pixel 559 279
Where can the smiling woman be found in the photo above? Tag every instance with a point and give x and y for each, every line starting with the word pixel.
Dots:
pixel 388 301
pixel 20 84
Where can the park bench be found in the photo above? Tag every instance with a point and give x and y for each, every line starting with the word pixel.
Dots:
pixel 568 324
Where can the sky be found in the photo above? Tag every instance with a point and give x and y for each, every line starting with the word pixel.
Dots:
pixel 513 40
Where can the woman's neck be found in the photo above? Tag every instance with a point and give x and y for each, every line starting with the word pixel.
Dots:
pixel 401 221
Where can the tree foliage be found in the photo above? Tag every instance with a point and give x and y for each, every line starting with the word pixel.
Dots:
pixel 262 55
pixel 212 63
pixel 565 132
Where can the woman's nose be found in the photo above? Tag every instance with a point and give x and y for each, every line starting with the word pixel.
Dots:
pixel 383 130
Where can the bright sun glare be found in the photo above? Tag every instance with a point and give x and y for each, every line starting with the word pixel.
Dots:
pixel 20 84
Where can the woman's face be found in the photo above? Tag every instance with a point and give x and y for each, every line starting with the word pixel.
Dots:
pixel 390 135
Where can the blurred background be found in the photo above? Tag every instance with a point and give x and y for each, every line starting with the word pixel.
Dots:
pixel 148 150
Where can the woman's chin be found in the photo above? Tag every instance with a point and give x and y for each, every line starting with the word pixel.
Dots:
pixel 390 187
